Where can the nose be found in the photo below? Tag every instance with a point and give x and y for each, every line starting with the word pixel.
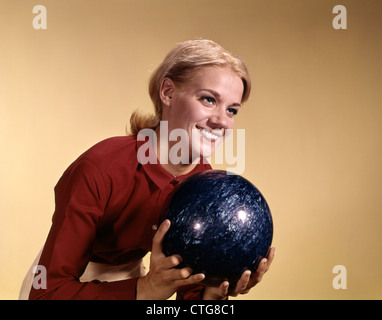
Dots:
pixel 219 119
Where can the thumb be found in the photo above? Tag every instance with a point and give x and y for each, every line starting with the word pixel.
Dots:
pixel 159 236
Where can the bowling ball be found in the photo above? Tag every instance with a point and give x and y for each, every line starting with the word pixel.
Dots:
pixel 221 226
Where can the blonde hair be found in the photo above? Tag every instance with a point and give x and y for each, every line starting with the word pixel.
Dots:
pixel 180 65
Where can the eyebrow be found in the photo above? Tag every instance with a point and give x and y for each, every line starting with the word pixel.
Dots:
pixel 217 95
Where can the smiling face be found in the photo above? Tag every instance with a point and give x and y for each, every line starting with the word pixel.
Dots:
pixel 204 107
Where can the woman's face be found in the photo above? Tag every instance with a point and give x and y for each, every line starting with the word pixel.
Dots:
pixel 204 107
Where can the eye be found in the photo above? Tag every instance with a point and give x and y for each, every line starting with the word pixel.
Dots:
pixel 208 100
pixel 232 111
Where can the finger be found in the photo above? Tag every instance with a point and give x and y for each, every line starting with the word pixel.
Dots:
pixel 258 275
pixel 159 236
pixel 265 263
pixel 262 268
pixel 167 265
pixel 242 284
pixel 223 290
pixel 184 273
pixel 170 261
pixel 179 277
pixel 216 293
pixel 224 287
pixel 191 279
pixel 270 256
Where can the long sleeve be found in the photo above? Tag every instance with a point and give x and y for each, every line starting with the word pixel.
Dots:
pixel 81 197
pixel 107 210
pixel 190 292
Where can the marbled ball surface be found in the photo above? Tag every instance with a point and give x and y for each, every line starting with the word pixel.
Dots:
pixel 221 225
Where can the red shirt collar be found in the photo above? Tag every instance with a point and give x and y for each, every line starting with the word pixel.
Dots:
pixel 160 176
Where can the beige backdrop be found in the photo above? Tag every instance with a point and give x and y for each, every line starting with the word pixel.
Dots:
pixel 313 122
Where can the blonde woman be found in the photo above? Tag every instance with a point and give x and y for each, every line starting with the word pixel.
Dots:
pixel 108 211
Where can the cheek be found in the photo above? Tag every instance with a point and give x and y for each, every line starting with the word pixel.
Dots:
pixel 190 114
pixel 230 123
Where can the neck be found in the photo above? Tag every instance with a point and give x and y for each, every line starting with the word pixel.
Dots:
pixel 178 170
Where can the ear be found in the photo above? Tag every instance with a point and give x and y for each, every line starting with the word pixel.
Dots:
pixel 166 91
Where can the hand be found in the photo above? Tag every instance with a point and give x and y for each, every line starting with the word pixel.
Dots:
pixel 245 283
pixel 163 280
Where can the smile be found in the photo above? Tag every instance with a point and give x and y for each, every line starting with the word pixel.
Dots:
pixel 211 135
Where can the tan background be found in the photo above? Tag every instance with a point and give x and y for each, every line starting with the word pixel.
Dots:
pixel 313 122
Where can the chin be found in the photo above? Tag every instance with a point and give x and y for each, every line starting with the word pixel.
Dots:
pixel 205 151
pixel 204 148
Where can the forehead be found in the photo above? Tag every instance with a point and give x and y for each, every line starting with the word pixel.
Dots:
pixel 222 80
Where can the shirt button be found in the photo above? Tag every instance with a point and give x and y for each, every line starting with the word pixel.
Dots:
pixel 154 227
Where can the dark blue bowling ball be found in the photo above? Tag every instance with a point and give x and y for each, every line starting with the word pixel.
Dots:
pixel 221 225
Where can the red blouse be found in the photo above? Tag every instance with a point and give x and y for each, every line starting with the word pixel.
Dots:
pixel 108 207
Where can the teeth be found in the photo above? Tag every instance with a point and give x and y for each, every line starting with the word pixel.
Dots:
pixel 209 135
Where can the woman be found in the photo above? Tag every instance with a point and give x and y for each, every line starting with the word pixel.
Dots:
pixel 108 204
